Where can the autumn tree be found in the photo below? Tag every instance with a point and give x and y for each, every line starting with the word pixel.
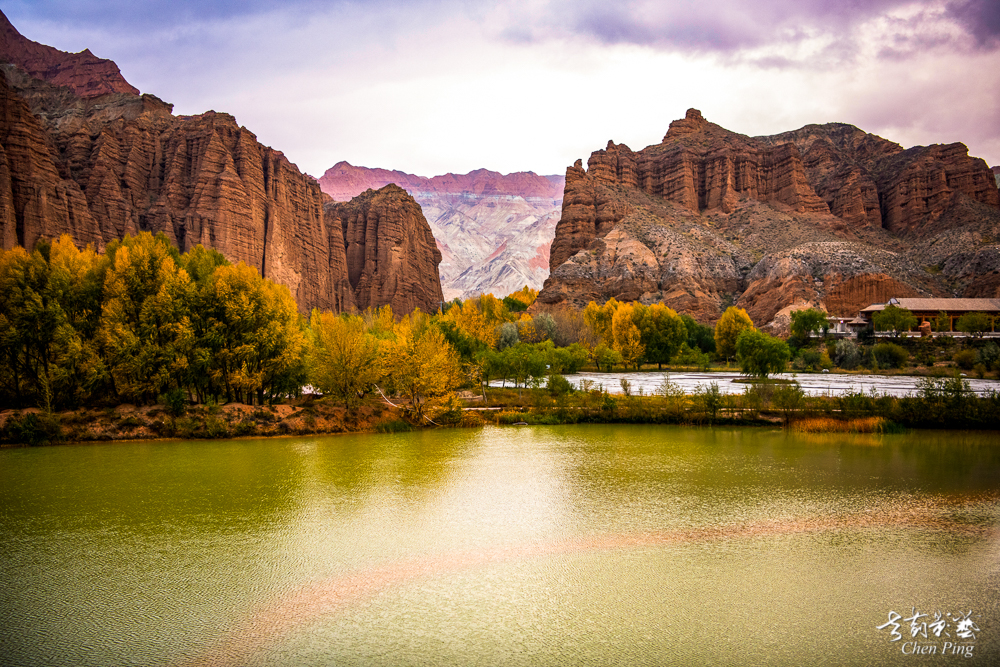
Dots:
pixel 728 328
pixel 145 334
pixel 626 335
pixel 254 334
pixel 422 365
pixel 49 303
pixel 344 359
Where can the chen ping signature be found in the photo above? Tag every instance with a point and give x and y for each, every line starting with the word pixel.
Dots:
pixel 941 634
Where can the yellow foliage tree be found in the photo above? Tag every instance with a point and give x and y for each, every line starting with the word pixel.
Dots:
pixel 256 335
pixel 525 295
pixel 344 359
pixel 627 337
pixel 422 365
pixel 473 321
pixel 145 331
pixel 728 329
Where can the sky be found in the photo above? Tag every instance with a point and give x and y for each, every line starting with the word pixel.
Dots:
pixel 437 86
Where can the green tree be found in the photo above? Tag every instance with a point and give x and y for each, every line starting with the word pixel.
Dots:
pixel 894 319
pixel 761 355
pixel 974 324
pixel 663 332
pixel 727 330
pixel 507 335
pixel 699 336
pixel 525 364
pixel 942 322
pixel 804 322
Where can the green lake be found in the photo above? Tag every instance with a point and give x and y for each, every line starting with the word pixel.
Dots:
pixel 568 545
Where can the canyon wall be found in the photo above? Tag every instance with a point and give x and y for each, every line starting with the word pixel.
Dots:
pixel 826 216
pixel 100 167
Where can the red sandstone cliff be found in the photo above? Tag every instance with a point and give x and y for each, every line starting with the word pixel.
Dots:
pixel 100 168
pixel 827 215
pixel 387 238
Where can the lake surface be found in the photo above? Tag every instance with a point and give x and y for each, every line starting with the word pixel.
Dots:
pixel 813 384
pixel 570 545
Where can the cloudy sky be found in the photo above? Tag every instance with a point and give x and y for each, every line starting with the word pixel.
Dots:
pixel 432 86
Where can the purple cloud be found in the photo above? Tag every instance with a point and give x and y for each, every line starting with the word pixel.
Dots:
pixel 731 26
pixel 981 18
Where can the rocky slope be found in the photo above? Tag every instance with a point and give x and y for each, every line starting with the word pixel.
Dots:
pixel 827 216
pixel 101 167
pixel 493 230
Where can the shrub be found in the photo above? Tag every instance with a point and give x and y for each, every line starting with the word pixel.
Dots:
pixel 890 355
pixel 33 429
pixel 846 355
pixel 175 401
pixel 989 355
pixel 965 359
pixel 393 426
pixel 558 385
pixel 810 358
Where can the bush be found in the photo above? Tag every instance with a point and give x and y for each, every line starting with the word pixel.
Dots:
pixel 393 426
pixel 175 401
pixel 559 386
pixel 965 359
pixel 33 429
pixel 890 355
pixel 810 358
pixel 989 355
pixel 846 355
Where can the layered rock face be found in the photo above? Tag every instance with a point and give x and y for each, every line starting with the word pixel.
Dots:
pixel 827 216
pixel 387 236
pixel 83 73
pixel 493 230
pixel 100 168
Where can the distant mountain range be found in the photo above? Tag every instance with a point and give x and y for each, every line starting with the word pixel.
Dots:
pixel 493 230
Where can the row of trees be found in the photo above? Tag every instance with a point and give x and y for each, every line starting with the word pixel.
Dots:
pixel 142 321
pixel 139 321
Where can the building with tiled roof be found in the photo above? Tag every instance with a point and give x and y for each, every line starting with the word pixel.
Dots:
pixel 928 310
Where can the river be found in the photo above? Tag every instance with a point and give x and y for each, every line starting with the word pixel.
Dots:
pixel 570 545
pixel 813 384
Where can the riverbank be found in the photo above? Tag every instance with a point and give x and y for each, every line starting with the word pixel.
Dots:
pixel 940 403
pixel 232 420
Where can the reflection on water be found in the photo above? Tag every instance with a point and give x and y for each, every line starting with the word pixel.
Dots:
pixel 554 545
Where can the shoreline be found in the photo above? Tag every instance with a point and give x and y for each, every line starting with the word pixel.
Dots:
pixel 766 406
